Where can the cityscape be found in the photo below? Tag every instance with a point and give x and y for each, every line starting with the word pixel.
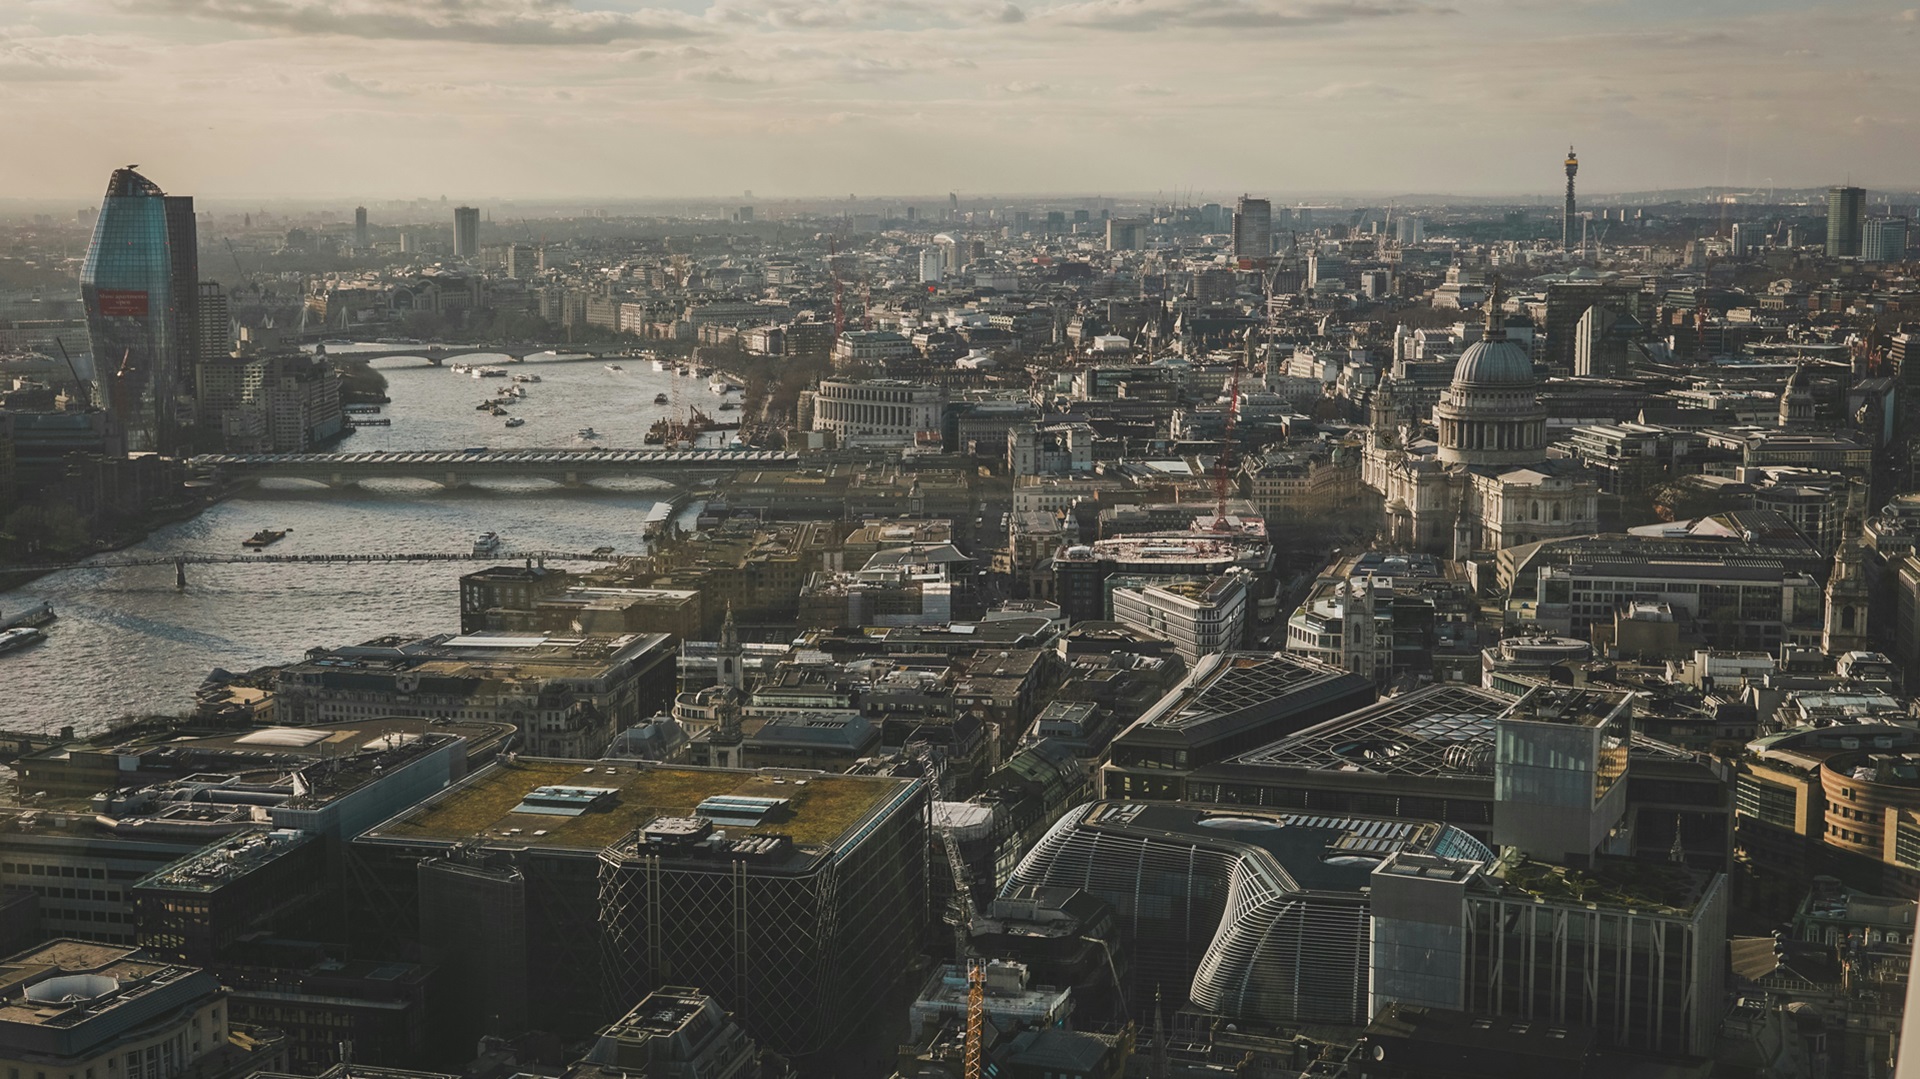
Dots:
pixel 1274 630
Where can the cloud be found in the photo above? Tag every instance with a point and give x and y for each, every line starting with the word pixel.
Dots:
pixel 23 62
pixel 1143 15
pixel 1335 91
pixel 483 22
pixel 347 84
pixel 1023 87
pixel 1006 13
pixel 1143 89
pixel 719 74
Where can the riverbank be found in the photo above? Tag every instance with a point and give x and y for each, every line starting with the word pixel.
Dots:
pixel 120 540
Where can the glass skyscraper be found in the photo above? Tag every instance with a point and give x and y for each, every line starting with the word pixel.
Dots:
pixel 140 287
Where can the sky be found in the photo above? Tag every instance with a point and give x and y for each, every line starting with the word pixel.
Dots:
pixel 615 99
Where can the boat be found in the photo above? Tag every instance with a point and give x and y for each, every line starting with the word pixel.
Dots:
pixel 526 378
pixel 616 369
pixel 659 398
pixel 660 366
pixel 667 432
pixel 336 342
pixel 266 537
pixel 489 372
pixel 13 640
pixel 728 406
pixel 488 543
pixel 719 384
pixel 515 421
pixel 32 616
pixel 586 432
pixel 498 411
pixel 485 405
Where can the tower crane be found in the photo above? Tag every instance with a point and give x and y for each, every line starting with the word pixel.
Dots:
pixel 1223 461
pixel 960 916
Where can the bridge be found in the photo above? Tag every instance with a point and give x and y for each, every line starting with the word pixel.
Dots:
pixel 180 562
pixel 358 558
pixel 436 355
pixel 457 468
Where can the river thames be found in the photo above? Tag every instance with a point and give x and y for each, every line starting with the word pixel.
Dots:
pixel 128 641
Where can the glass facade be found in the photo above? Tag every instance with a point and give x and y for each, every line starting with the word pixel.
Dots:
pixel 139 285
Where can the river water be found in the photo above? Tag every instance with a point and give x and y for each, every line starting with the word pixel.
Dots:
pixel 128 641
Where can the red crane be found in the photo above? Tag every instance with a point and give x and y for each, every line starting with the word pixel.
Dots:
pixel 1223 461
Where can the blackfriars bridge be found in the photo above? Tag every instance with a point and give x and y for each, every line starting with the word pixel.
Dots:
pixel 457 468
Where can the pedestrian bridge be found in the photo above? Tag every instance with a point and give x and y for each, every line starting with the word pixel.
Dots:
pixel 457 468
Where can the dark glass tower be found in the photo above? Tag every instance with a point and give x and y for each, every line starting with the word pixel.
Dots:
pixel 140 287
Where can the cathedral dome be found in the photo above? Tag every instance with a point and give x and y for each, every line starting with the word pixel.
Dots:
pixel 1494 363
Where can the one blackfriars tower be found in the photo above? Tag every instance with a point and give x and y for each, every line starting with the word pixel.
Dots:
pixel 140 285
pixel 1566 218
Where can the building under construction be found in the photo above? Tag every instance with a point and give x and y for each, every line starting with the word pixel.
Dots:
pixel 556 893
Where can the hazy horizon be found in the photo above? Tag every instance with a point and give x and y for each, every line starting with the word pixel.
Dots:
pixel 691 100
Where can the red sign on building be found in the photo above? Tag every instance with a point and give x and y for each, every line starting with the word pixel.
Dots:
pixel 122 301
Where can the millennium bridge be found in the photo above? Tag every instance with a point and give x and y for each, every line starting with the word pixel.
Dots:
pixel 457 468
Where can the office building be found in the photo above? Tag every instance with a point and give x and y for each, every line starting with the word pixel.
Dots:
pixel 1199 616
pixel 1231 702
pixel 933 264
pixel 73 1009
pixel 213 320
pixel 140 285
pixel 360 239
pixel 1253 229
pixel 877 409
pixel 523 261
pixel 1249 914
pixel 466 232
pixel 199 907
pixel 1081 571
pixel 1884 239
pixel 1846 213
pixel 675 1032
pixel 566 694
pixel 1632 949
pixel 791 897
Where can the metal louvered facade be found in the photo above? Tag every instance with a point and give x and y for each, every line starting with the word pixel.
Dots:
pixel 1253 915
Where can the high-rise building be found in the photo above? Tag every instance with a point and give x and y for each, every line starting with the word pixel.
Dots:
pixel 1566 217
pixel 213 321
pixel 1884 239
pixel 140 286
pixel 360 229
pixel 466 232
pixel 1253 229
pixel 522 261
pixel 1846 209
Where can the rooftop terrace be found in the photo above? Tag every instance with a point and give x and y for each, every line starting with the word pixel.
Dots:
pixel 820 810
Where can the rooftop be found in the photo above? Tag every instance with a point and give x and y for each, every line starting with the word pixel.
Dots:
pixel 228 860
pixel 1439 730
pixel 1569 707
pixel 820 809
pixel 1226 684
pixel 63 984
pixel 1657 887
pixel 1315 852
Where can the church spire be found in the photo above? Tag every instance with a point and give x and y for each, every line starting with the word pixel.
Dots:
pixel 1496 315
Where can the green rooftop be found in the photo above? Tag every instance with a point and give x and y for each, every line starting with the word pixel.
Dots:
pixel 821 808
pixel 1654 887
